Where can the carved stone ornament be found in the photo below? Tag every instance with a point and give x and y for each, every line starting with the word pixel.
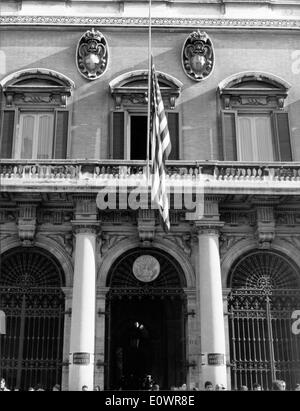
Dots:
pixel 198 56
pixel 92 55
pixel 146 268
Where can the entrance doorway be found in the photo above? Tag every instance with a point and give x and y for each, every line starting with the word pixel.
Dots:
pixel 145 327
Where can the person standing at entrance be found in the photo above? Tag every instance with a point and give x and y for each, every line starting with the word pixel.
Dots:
pixel 3 386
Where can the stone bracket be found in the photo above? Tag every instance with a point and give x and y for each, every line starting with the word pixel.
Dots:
pixel 27 222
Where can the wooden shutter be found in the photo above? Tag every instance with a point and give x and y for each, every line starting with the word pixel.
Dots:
pixel 282 132
pixel 245 139
pixel 26 144
pixel 173 125
pixel 7 134
pixel 117 135
pixel 229 135
pixel 45 135
pixel 61 134
pixel 264 139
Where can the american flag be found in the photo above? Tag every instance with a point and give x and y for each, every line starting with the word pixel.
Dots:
pixel 160 150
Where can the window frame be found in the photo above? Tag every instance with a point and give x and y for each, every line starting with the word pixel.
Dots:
pixel 266 97
pixel 13 91
pixel 131 99
pixel 274 137
pixel 135 111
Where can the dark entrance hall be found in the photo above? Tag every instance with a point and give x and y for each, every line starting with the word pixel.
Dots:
pixel 147 337
pixel 145 322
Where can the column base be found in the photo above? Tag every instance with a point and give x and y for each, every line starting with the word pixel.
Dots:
pixel 81 374
pixel 216 374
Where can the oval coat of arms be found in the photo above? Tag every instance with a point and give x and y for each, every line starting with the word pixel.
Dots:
pixel 92 54
pixel 198 56
pixel 146 268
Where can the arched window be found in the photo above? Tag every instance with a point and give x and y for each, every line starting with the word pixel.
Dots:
pixel 35 117
pixel 129 118
pixel 255 125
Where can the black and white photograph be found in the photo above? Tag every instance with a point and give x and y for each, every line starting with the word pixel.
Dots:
pixel 150 198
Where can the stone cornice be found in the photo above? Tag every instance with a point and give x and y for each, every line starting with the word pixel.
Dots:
pixel 157 22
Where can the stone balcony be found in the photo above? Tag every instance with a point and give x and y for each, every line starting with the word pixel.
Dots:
pixel 215 177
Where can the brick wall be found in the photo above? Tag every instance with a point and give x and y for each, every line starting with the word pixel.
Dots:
pixel 235 51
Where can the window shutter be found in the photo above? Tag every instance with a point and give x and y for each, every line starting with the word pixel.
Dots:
pixel 282 130
pixel 229 135
pixel 173 125
pixel 45 135
pixel 7 134
pixel 61 134
pixel 117 135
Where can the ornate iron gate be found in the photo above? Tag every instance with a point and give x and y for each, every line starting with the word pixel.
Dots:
pixel 34 304
pixel 31 349
pixel 263 346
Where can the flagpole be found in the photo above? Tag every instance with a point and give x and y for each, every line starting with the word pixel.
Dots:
pixel 149 96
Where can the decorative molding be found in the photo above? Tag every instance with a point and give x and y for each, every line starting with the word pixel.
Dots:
pixel 117 217
pixel 6 216
pixel 238 217
pixel 293 240
pixel 86 226
pixel 27 222
pixel 287 217
pixel 146 222
pixel 229 23
pixel 183 241
pixel 198 56
pixel 265 227
pixel 64 240
pixel 55 217
pixel 85 207
pixel 209 227
pixel 226 241
pixel 130 89
pixel 108 241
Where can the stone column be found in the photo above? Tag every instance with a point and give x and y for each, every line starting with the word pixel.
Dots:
pixel 209 289
pixel 82 342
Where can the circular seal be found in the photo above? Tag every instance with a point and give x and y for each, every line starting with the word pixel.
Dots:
pixel 146 268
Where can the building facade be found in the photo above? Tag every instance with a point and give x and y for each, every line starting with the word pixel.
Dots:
pixel 93 290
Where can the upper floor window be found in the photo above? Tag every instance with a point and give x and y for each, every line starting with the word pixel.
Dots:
pixel 35 117
pixel 255 125
pixel 128 139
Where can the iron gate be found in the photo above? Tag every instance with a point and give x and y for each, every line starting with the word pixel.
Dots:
pixel 31 349
pixel 263 346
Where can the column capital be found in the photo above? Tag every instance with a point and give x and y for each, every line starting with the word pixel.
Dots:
pixel 86 226
pixel 208 227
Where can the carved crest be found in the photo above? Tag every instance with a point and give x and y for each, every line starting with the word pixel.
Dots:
pixel 198 56
pixel 92 55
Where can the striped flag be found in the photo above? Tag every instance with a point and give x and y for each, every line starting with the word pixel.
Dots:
pixel 160 150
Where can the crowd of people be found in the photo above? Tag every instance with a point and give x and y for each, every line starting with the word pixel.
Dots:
pixel 149 384
pixel 277 385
